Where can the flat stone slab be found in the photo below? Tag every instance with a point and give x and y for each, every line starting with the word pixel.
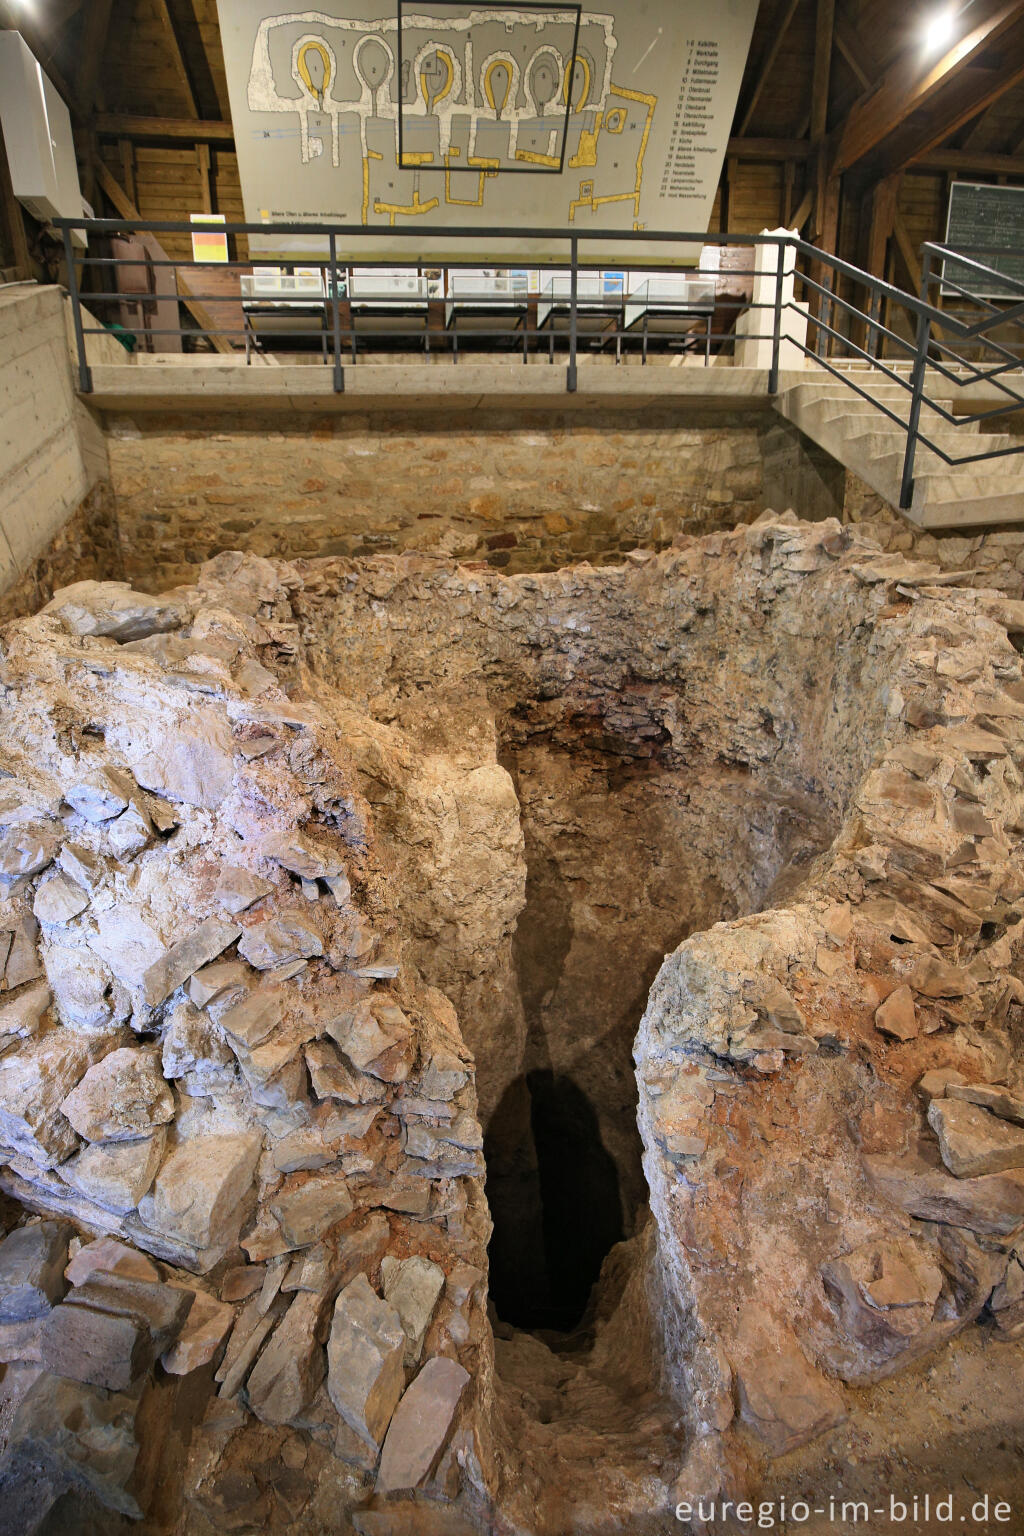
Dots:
pixel 364 1357
pixel 422 1422
pixel 973 1141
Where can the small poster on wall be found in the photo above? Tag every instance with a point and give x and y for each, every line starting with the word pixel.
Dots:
pixel 392 116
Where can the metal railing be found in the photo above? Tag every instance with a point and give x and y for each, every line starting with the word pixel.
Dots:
pixel 851 323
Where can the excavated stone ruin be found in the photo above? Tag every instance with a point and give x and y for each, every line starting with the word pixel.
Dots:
pixel 498 1054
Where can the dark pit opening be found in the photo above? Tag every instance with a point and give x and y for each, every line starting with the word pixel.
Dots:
pixel 557 1211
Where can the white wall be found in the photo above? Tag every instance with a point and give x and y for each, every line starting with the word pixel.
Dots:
pixel 52 450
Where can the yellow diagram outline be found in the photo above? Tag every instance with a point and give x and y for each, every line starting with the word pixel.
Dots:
pixel 486 167
pixel 592 202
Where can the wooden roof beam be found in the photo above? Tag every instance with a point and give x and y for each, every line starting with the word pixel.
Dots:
pixel 909 85
pixel 178 56
pixel 119 125
pixel 768 65
pixel 966 162
pixel 93 46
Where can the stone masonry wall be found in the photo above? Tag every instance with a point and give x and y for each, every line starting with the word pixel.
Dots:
pixel 88 547
pixel 521 490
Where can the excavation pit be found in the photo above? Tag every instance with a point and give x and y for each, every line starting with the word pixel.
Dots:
pixel 522 1007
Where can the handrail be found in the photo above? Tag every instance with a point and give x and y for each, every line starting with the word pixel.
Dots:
pixel 846 301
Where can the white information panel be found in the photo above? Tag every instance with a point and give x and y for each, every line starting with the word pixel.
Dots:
pixel 389 115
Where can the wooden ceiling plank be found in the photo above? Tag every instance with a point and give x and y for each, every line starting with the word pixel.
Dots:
pixel 770 60
pixel 903 89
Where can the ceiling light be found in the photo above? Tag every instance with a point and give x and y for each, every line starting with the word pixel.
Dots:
pixel 940 30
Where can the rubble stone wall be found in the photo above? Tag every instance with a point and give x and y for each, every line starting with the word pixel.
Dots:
pixel 522 490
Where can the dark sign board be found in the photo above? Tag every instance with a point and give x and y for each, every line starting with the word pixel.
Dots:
pixel 981 215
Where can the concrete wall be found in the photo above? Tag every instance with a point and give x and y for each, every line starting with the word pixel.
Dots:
pixel 54 473
pixel 521 490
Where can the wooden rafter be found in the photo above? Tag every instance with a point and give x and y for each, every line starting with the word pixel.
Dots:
pixel 824 24
pixel 849 45
pixel 177 55
pixel 767 66
pixel 93 46
pixel 955 87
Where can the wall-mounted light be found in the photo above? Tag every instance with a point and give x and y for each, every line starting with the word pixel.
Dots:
pixel 940 29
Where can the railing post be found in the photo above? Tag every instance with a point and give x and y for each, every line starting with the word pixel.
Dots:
pixel 924 330
pixel 84 371
pixel 773 375
pixel 570 378
pixel 339 372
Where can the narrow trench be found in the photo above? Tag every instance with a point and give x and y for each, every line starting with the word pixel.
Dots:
pixel 624 860
pixel 564 1175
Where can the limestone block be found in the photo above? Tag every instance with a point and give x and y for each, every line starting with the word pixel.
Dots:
pixel 307 1210
pixel 123 1097
pixel 413 1287
pixel 972 1141
pixel 27 848
pixel 192 1049
pixel 364 1357
pixel 992 1203
pixel 782 1397
pixel 108 1256
pixel 253 1018
pixel 288 936
pixel 32 1260
pixel 68 1435
pixel 109 1330
pixel 204 1331
pixel 991 1096
pixel 112 608
pixel 179 962
pixel 214 980
pixel 20 1019
pixel 885 1293
pixel 198 1189
pixel 194 764
pixel 237 889
pixel 99 795
pixel 116 1174
pixel 80 984
pixel 421 1424
pixel 34 1082
pixel 59 899
pixel 294 852
pixel 333 1078
pixel 292 1365
pixel 897 1016
pixel 23 963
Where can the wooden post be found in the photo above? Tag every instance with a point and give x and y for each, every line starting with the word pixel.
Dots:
pixel 126 149
pixel 205 183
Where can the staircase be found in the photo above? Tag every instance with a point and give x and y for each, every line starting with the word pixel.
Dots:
pixel 865 440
